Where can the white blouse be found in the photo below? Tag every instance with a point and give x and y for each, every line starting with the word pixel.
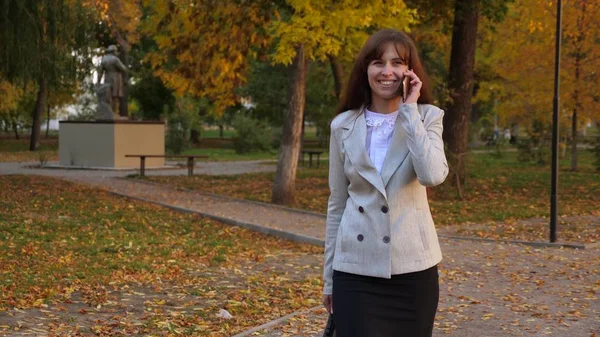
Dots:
pixel 380 131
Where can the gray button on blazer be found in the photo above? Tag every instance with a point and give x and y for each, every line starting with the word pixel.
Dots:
pixel 380 224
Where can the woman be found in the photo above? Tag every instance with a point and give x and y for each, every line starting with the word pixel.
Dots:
pixel 381 247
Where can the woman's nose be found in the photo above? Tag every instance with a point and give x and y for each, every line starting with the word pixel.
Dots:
pixel 387 69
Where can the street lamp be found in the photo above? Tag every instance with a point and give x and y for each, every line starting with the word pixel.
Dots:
pixel 553 197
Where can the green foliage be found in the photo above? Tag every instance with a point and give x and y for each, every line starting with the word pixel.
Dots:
pixel 85 106
pixel 48 39
pixel 535 147
pixel 18 116
pixel 184 118
pixel 252 134
pixel 176 135
pixel 151 96
pixel 276 143
pixel 495 10
pixel 268 86
pixel 321 100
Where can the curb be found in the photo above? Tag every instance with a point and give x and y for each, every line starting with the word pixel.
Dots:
pixel 223 197
pixel 520 242
pixel 261 229
pixel 319 242
pixel 275 322
pixel 316 241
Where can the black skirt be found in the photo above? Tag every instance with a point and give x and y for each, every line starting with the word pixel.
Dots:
pixel 403 306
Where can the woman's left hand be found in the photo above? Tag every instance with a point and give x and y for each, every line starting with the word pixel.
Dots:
pixel 415 87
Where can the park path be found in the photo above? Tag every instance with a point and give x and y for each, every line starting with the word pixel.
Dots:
pixel 487 289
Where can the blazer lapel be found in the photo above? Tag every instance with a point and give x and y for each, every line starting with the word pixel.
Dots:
pixel 396 154
pixel 355 146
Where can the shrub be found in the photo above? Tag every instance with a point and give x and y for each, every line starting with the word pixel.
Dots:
pixel 175 138
pixel 252 135
pixel 276 138
pixel 596 151
pixel 500 146
pixel 525 150
pixel 536 146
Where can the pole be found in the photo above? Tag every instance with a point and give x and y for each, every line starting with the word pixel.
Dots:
pixel 553 197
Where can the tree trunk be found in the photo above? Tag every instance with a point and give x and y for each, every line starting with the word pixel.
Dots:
pixel 15 127
pixel 37 115
pixel 47 120
pixel 574 133
pixel 460 83
pixel 578 55
pixel 338 75
pixel 221 131
pixel 285 177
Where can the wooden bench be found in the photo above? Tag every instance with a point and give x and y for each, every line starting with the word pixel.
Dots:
pixel 311 153
pixel 190 161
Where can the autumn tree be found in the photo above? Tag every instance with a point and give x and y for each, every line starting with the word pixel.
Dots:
pixel 460 85
pixel 525 64
pixel 191 57
pixel 203 46
pixel 120 19
pixel 582 59
pixel 447 35
pixel 326 31
pixel 268 86
pixel 12 97
pixel 45 42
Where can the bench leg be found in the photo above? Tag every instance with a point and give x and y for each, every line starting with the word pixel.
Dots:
pixel 142 166
pixel 310 160
pixel 190 167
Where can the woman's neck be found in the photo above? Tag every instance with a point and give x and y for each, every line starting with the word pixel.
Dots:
pixel 384 106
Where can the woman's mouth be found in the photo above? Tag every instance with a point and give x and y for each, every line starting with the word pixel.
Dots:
pixel 387 83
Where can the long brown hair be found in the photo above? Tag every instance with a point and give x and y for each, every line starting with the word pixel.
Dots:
pixel 358 92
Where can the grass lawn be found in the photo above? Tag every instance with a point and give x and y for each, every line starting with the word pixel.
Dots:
pixel 64 245
pixel 310 132
pixel 230 155
pixel 498 190
pixel 18 150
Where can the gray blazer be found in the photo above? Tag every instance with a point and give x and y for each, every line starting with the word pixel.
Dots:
pixel 380 224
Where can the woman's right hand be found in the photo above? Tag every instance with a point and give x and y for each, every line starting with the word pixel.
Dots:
pixel 328 303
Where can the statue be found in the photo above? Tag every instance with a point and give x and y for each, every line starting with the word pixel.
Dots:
pixel 103 109
pixel 111 91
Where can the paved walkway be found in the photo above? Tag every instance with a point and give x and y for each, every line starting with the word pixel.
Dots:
pixel 487 289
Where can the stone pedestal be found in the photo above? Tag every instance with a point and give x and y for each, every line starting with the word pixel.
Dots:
pixel 104 144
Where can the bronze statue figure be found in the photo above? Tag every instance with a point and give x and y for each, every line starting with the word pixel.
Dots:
pixel 112 69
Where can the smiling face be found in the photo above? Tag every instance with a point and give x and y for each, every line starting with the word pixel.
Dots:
pixel 385 75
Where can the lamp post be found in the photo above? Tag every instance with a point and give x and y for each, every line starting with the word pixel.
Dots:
pixel 553 197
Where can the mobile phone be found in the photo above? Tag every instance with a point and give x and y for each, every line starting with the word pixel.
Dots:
pixel 404 88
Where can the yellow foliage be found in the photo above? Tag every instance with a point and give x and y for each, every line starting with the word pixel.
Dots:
pixel 521 53
pixel 336 28
pixel 204 45
pixel 10 94
pixel 122 16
